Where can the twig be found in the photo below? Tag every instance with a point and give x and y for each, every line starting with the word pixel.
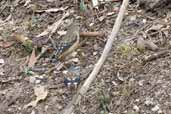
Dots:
pixel 70 107
pixel 155 56
pixel 92 34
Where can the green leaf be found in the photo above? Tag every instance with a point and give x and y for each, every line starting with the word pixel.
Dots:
pixel 83 7
pixel 28 71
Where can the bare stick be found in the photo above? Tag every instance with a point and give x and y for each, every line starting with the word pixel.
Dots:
pixel 92 34
pixel 70 107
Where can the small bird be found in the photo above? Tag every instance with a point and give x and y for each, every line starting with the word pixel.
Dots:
pixel 72 77
pixel 69 42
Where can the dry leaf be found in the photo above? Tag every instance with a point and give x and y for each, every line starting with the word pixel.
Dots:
pixel 6 44
pixel 33 59
pixel 141 44
pixel 53 27
pixel 151 46
pixel 41 93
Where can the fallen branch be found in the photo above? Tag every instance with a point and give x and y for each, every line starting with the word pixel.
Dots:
pixel 70 107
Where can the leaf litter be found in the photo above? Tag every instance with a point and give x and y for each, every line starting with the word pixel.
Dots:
pixel 154 73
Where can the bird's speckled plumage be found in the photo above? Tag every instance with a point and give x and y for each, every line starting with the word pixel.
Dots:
pixel 69 42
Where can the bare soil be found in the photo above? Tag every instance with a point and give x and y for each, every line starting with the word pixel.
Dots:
pixel 133 86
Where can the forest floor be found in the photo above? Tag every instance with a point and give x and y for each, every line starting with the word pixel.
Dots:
pixel 129 82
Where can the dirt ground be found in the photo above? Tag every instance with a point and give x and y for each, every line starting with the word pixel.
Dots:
pixel 128 83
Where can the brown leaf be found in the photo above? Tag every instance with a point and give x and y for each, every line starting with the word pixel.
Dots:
pixel 33 59
pixel 6 44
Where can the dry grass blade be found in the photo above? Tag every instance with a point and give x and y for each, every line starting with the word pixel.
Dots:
pixel 70 107
pixel 54 10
